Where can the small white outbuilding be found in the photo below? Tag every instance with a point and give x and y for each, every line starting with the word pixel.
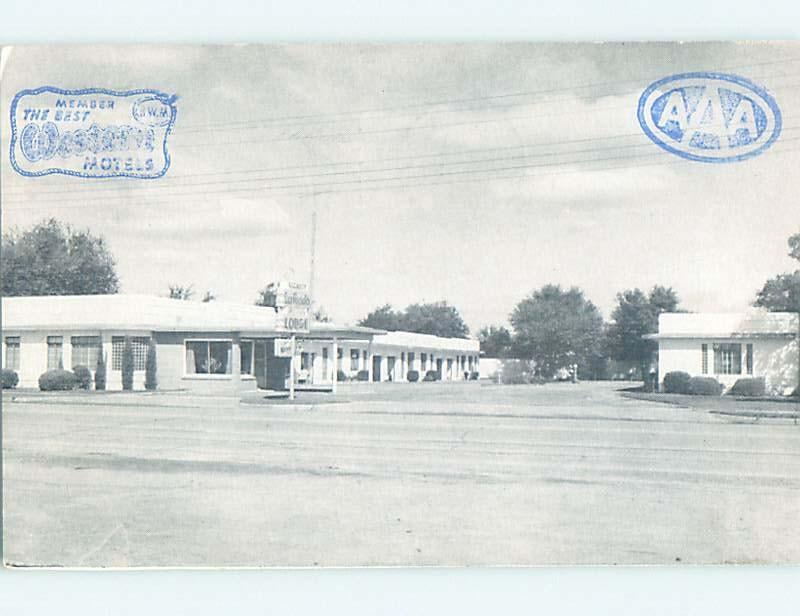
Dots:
pixel 732 346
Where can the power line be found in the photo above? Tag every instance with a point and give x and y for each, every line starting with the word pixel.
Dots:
pixel 163 190
pixel 419 105
pixel 359 162
pixel 360 133
pixel 370 183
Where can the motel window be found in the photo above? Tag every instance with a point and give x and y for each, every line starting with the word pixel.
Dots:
pixel 704 358
pixel 246 354
pixel 325 361
pixel 411 358
pixel 423 358
pixel 749 359
pixel 55 352
pixel 305 361
pixel 139 346
pixel 12 352
pixel 85 351
pixel 728 358
pixel 354 355
pixel 208 356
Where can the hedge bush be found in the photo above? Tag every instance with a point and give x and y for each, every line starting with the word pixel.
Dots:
pixel 677 382
pixel 413 376
pixel 516 372
pixel 10 378
pixel 83 376
pixel 473 376
pixel 704 386
pixel 432 375
pixel 363 375
pixel 750 387
pixel 100 373
pixel 58 380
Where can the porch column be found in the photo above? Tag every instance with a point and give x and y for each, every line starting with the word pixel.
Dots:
pixel 335 359
pixel 236 363
pixel 369 361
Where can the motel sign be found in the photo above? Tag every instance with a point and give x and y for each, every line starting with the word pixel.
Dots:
pixel 293 303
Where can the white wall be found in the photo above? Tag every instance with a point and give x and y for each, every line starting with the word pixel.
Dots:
pixel 775 359
pixel 385 351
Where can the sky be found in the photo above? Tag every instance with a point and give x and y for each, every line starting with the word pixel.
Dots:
pixel 471 173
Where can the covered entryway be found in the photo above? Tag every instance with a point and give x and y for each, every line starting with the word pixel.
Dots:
pixel 376 367
pixel 271 372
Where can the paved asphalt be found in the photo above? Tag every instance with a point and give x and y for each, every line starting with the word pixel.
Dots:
pixel 395 474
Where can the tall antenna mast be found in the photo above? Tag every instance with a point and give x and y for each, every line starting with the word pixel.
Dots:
pixel 313 254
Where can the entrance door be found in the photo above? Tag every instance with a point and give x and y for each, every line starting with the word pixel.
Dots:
pixel 439 367
pixel 260 363
pixel 390 361
pixel 376 368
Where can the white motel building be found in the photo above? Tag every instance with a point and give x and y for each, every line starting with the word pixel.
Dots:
pixel 732 346
pixel 212 347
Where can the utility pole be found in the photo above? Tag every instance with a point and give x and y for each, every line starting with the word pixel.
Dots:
pixel 312 271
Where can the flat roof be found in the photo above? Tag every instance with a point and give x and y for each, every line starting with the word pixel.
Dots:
pixel 121 312
pixel 751 324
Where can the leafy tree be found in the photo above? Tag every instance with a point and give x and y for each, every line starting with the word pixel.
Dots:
pixel 320 315
pixel 495 341
pixel 177 291
pixel 151 367
pixel 635 315
pixel 52 258
pixel 782 293
pixel 384 317
pixel 436 318
pixel 208 297
pixel 556 328
pixel 127 365
pixel 268 296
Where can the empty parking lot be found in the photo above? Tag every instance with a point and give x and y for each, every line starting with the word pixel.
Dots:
pixel 394 474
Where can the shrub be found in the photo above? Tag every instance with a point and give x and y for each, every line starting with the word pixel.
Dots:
pixel 57 380
pixel 677 382
pixel 473 376
pixel 363 375
pixel 83 376
pixel 750 387
pixel 413 376
pixel 151 367
pixel 704 386
pixel 127 365
pixel 10 379
pixel 100 373
pixel 516 372
pixel 341 376
pixel 432 375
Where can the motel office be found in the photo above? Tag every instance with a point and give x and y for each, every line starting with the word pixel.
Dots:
pixel 732 346
pixel 212 347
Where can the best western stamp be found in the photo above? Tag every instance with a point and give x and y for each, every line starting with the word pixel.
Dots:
pixel 91 133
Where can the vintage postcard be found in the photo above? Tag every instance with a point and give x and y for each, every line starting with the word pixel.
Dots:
pixel 320 305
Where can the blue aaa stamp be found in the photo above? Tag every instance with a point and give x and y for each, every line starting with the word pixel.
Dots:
pixel 709 117
pixel 91 133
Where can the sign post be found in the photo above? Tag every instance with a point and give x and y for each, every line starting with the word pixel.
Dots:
pixel 293 303
pixel 291 368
